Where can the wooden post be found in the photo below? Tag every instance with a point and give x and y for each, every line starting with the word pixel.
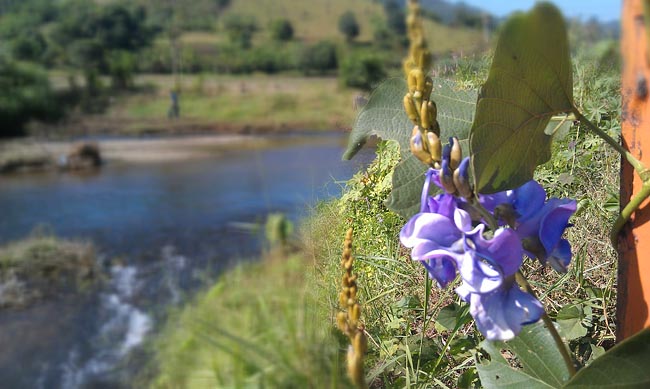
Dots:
pixel 633 302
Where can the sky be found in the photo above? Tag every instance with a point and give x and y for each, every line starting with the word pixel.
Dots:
pixel 604 10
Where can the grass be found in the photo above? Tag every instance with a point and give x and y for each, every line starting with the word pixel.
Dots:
pixel 44 266
pixel 260 325
pixel 258 101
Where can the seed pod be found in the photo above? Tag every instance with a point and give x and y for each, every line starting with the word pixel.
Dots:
pixel 433 111
pixel 446 178
pixel 341 321
pixel 456 153
pixel 360 343
pixel 409 107
pixel 461 179
pixel 425 120
pixel 435 146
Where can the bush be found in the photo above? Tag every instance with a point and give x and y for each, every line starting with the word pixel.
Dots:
pixel 240 29
pixel 25 95
pixel 362 71
pixel 282 30
pixel 319 58
pixel 349 26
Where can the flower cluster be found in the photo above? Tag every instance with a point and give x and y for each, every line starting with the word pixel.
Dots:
pixel 448 236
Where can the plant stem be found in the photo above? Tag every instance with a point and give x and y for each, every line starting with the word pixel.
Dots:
pixel 627 212
pixel 636 164
pixel 487 216
pixel 523 282
pixel 427 294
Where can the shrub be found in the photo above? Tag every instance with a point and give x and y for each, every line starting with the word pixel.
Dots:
pixel 282 30
pixel 240 29
pixel 349 26
pixel 319 58
pixel 362 71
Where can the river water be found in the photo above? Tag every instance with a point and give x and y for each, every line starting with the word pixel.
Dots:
pixel 172 226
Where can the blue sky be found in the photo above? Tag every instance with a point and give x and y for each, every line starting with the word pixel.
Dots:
pixel 604 10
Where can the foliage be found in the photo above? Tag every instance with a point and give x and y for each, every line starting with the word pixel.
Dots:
pixel 89 36
pixel 261 325
pixel 349 26
pixel 282 30
pixel 319 58
pixel 240 29
pixel 26 95
pixel 384 116
pixel 362 71
pixel 530 81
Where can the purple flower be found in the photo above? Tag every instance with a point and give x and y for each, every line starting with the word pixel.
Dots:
pixel 487 263
pixel 500 314
pixel 437 241
pixel 540 224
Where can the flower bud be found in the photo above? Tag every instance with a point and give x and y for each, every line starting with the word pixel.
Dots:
pixel 418 75
pixel 425 120
pixel 446 177
pixel 428 88
pixel 461 179
pixel 435 146
pixel 409 107
pixel 456 153
pixel 446 152
pixel 417 147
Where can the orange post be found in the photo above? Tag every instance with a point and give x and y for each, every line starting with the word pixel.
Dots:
pixel 633 302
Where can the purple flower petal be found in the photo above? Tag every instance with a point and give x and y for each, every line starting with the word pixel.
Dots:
pixel 501 314
pixel 442 269
pixel 554 221
pixel 560 257
pixel 487 262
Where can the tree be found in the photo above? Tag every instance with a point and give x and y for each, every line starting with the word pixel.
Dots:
pixel 319 58
pixel 91 35
pixel 349 26
pixel 240 29
pixel 395 17
pixel 362 71
pixel 25 95
pixel 281 30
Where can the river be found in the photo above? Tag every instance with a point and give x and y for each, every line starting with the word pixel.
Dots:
pixel 172 225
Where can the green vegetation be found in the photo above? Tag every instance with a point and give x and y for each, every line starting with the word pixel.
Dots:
pixel 26 94
pixel 43 267
pixel 261 325
pixel 407 348
pixel 348 26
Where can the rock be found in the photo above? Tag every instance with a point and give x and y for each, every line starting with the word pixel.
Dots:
pixel 83 155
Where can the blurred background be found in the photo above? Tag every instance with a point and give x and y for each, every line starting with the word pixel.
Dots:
pixel 147 146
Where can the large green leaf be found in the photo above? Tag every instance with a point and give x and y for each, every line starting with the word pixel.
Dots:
pixel 384 117
pixel 627 365
pixel 541 363
pixel 530 80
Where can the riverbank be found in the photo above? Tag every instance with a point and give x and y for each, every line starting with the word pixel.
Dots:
pixel 213 104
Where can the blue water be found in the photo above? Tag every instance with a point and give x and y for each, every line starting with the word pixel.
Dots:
pixel 174 226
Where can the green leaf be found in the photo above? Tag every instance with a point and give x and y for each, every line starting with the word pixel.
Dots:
pixel 529 82
pixel 570 319
pixel 384 117
pixel 535 350
pixel 626 365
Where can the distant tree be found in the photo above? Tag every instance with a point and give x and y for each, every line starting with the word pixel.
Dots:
pixel 281 30
pixel 90 35
pixel 319 58
pixel 240 29
pixel 349 26
pixel 25 94
pixel 29 46
pixel 362 71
